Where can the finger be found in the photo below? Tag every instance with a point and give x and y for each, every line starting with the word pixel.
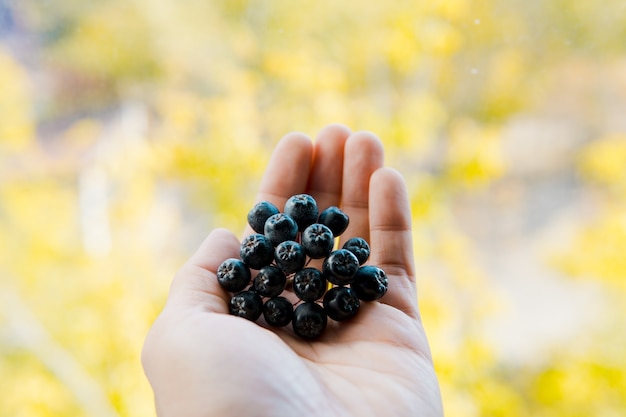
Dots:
pixel 392 240
pixel 363 154
pixel 287 172
pixel 195 284
pixel 325 180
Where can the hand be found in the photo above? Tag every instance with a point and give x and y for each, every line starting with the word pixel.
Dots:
pixel 201 361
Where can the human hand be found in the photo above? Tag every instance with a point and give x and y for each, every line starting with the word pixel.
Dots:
pixel 201 361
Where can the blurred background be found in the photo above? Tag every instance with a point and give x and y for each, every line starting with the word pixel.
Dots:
pixel 129 129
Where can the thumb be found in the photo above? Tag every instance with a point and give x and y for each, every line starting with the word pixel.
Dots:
pixel 195 284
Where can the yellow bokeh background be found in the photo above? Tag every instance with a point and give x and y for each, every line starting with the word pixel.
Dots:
pixel 130 129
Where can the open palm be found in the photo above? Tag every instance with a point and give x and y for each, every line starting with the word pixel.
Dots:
pixel 201 361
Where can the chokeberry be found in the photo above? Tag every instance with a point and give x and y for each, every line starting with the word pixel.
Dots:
pixel 278 311
pixel 233 275
pixel 318 241
pixel 290 256
pixel 336 220
pixel 370 283
pixel 270 281
pixel 259 214
pixel 340 266
pixel 246 304
pixel 309 320
pixel 341 303
pixel 359 247
pixel 309 284
pixel 303 209
pixel 279 228
pixel 256 251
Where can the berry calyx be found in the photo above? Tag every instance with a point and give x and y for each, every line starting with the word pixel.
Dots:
pixel 270 281
pixel 309 320
pixel 246 304
pixel 309 284
pixel 341 303
pixel 340 267
pixel 318 241
pixel 359 247
pixel 278 311
pixel 290 256
pixel 233 275
pixel 256 251
pixel 280 227
pixel 370 283
pixel 303 209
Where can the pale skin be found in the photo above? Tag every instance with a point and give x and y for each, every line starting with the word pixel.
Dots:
pixel 201 361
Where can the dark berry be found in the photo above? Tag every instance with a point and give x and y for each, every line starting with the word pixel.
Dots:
pixel 359 247
pixel 309 320
pixel 246 304
pixel 370 283
pixel 318 241
pixel 259 214
pixel 309 284
pixel 278 311
pixel 270 281
pixel 280 227
pixel 341 303
pixel 336 220
pixel 233 275
pixel 290 256
pixel 340 267
pixel 303 209
pixel 256 251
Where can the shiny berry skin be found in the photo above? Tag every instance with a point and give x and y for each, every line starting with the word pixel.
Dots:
pixel 279 228
pixel 340 266
pixel 318 241
pixel 359 247
pixel 256 251
pixel 233 275
pixel 246 304
pixel 290 256
pixel 309 320
pixel 370 283
pixel 270 281
pixel 303 209
pixel 259 214
pixel 309 284
pixel 341 303
pixel 278 311
pixel 336 220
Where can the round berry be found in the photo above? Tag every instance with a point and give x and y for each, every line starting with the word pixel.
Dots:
pixel 370 283
pixel 270 281
pixel 280 227
pixel 246 304
pixel 278 311
pixel 359 247
pixel 336 220
pixel 303 209
pixel 309 284
pixel 318 241
pixel 256 251
pixel 341 303
pixel 233 275
pixel 259 214
pixel 340 267
pixel 290 256
pixel 309 320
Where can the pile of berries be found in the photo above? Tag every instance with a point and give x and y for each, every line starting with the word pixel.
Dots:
pixel 281 249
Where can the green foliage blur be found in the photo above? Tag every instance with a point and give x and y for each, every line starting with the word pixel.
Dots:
pixel 129 129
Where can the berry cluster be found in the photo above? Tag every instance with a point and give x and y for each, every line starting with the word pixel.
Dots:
pixel 281 249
